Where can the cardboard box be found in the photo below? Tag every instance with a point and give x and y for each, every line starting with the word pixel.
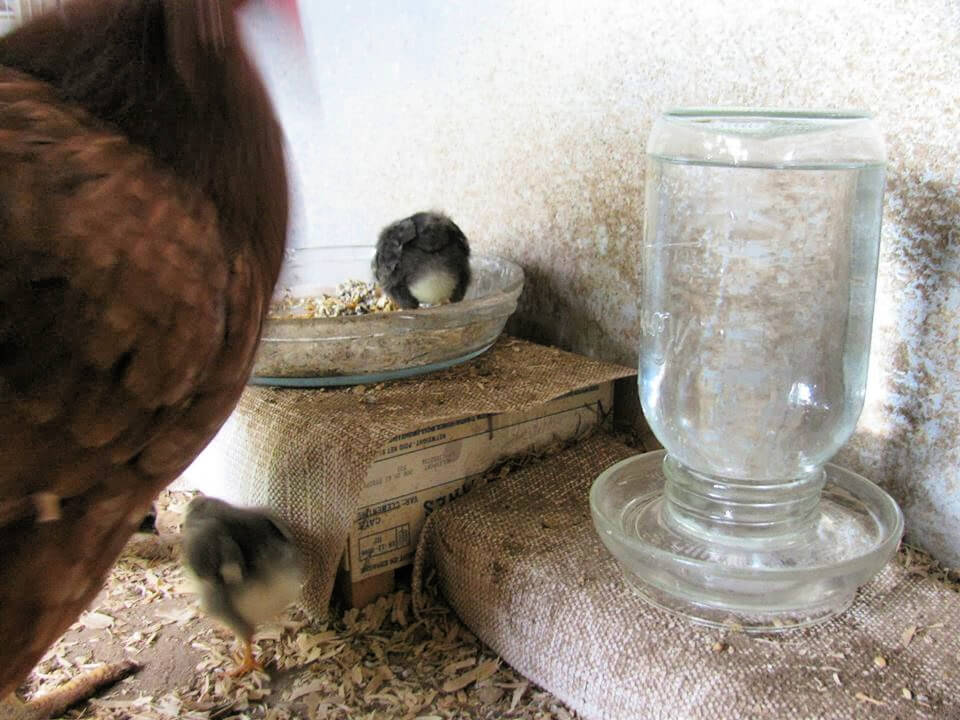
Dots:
pixel 424 469
pixel 413 475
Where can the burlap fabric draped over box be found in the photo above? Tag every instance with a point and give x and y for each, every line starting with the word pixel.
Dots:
pixel 305 453
pixel 521 564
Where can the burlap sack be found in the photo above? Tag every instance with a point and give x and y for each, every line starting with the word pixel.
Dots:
pixel 305 453
pixel 521 564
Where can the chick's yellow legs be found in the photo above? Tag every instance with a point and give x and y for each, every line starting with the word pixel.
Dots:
pixel 248 662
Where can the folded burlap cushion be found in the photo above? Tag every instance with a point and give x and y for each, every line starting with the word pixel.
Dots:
pixel 521 564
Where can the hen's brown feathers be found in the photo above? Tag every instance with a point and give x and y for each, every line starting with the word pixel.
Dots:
pixel 124 281
pixel 133 282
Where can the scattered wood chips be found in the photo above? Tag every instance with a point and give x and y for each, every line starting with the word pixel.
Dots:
pixel 378 662
pixel 919 563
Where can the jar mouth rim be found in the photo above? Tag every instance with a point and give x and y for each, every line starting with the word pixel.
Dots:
pixel 761 113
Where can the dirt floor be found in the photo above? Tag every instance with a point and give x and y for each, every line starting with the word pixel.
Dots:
pixel 379 662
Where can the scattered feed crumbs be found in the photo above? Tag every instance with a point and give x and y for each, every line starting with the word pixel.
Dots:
pixel 352 297
pixel 379 662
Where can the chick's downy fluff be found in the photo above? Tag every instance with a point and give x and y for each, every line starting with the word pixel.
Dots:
pixel 422 259
pixel 244 564
pixel 143 214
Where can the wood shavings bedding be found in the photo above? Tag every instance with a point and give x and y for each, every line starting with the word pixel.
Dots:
pixel 378 662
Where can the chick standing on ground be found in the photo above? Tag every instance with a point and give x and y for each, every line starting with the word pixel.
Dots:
pixel 245 567
pixel 422 259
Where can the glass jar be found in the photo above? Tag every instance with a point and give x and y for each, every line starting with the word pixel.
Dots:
pixel 759 264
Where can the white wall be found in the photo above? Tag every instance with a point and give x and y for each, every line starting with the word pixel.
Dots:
pixel 526 121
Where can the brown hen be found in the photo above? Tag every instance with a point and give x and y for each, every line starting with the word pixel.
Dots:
pixel 143 214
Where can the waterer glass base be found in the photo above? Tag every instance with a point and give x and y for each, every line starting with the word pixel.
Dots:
pixel 800 577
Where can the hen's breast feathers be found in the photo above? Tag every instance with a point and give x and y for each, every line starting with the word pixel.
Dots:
pixel 126 336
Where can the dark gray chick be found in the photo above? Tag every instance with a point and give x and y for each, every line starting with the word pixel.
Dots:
pixel 424 258
pixel 148 525
pixel 244 566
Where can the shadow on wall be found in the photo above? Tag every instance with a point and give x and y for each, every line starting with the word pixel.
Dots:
pixel 557 327
pixel 548 314
pixel 912 449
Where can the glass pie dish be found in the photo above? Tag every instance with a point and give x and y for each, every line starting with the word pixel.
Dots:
pixel 353 349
